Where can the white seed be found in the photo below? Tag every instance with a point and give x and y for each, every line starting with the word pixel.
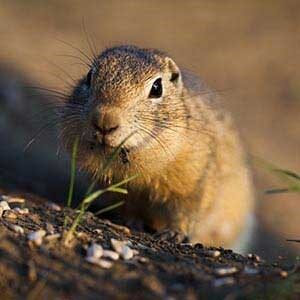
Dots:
pixel 52 237
pixel 117 245
pixel 135 252
pixel 122 248
pixel 254 257
pixel 111 254
pixel 54 206
pixel 16 228
pixel 37 236
pixel 9 214
pixel 1 211
pixel 214 253
pixel 250 271
pixel 105 264
pixel 4 205
pixel 11 199
pixel 142 259
pixel 21 211
pixel 126 253
pixel 226 271
pixel 224 281
pixel 98 231
pixel 284 274
pixel 95 250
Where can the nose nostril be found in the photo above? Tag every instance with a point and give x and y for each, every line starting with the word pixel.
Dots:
pixel 111 129
pixel 105 129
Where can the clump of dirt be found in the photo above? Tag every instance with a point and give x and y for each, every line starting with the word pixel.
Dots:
pixel 39 265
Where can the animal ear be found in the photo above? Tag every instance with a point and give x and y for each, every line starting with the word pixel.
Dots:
pixel 175 75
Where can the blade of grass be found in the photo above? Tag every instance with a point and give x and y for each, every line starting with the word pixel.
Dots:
pixel 73 172
pixel 108 162
pixel 98 193
pixel 108 208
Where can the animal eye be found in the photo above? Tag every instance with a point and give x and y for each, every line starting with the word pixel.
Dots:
pixel 156 90
pixel 88 78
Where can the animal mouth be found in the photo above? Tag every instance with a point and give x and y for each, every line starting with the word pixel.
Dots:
pixel 111 152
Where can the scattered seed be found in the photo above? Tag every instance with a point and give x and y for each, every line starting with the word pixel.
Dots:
pixel 11 199
pixel 214 253
pixel 52 237
pixel 117 245
pixel 226 271
pixel 126 253
pixel 111 254
pixel 9 214
pixel 284 274
pixel 37 237
pixel 254 257
pixel 16 228
pixel 223 281
pixel 98 231
pixel 135 252
pixel 142 259
pixel 21 211
pixel 54 206
pixel 105 264
pixel 4 205
pixel 122 248
pixel 95 250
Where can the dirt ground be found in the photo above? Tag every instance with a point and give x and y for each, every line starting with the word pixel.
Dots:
pixel 249 51
pixel 159 270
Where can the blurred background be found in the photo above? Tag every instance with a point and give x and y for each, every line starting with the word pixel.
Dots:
pixel 247 50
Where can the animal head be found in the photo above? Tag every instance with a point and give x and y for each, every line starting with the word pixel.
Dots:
pixel 130 96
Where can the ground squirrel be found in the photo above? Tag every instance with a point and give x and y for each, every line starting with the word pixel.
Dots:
pixel 192 172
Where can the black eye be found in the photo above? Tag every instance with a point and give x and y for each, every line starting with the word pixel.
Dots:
pixel 156 90
pixel 88 78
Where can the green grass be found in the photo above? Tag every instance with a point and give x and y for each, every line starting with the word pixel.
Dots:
pixel 91 196
pixel 290 179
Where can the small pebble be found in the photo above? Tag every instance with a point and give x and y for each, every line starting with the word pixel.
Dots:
pixel 284 274
pixel 37 237
pixel 4 205
pixel 54 206
pixel 142 259
pixel 21 211
pixel 226 271
pixel 214 253
pixel 16 228
pixel 95 250
pixel 250 271
pixel 50 228
pixel 223 281
pixel 9 214
pixel 11 199
pixel 105 264
pixel 111 254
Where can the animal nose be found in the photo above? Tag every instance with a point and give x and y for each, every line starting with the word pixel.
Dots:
pixel 105 123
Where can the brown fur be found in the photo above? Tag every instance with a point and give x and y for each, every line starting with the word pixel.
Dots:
pixel 191 166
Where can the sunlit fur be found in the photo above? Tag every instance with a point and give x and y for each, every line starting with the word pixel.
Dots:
pixel 192 173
